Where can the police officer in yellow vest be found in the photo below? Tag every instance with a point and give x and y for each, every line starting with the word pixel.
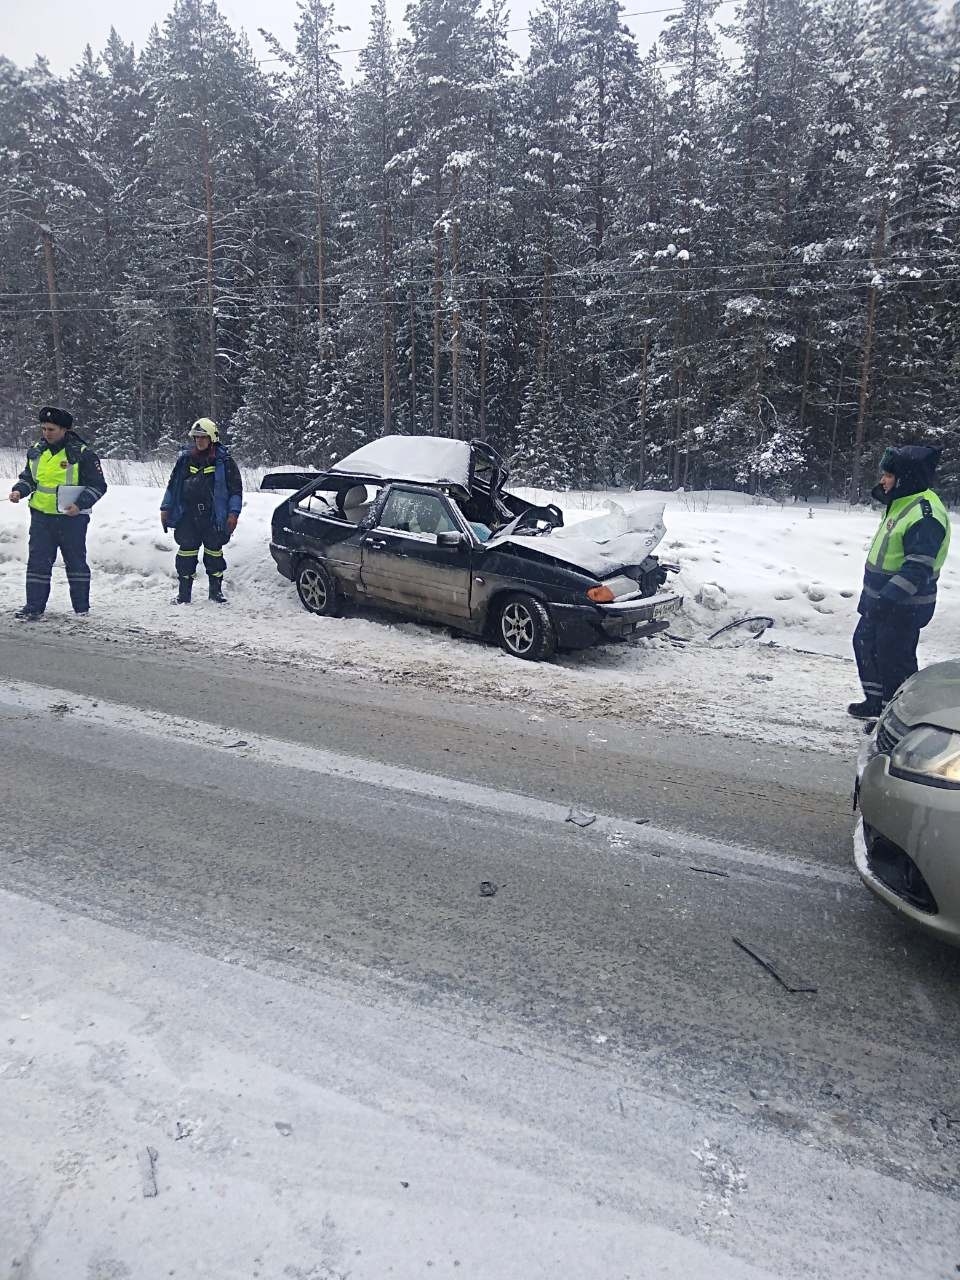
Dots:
pixel 900 578
pixel 58 521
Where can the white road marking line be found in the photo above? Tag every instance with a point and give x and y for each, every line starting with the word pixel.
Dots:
pixel 34 699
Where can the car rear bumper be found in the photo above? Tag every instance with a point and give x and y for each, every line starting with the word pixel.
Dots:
pixel 284 559
pixel 907 847
pixel 580 625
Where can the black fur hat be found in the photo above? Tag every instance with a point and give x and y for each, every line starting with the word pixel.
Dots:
pixel 59 417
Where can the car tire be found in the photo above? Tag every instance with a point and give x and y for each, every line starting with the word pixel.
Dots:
pixel 525 629
pixel 317 589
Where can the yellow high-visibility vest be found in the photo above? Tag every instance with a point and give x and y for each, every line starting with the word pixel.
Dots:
pixel 49 472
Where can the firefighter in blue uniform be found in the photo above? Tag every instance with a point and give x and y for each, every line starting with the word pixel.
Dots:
pixel 202 504
pixel 900 578
pixel 59 458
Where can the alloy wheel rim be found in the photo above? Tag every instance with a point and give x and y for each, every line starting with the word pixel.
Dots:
pixel 516 625
pixel 312 590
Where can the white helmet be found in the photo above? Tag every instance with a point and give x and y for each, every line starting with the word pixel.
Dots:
pixel 205 427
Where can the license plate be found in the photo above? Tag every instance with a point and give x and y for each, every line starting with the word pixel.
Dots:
pixel 664 610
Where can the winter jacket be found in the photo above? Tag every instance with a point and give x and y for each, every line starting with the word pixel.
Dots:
pixel 911 544
pixel 79 455
pixel 227 487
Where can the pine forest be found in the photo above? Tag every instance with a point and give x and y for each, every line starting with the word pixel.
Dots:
pixel 728 261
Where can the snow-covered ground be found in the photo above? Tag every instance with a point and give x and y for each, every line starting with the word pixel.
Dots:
pixel 799 565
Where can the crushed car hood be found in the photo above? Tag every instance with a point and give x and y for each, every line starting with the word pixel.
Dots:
pixel 932 697
pixel 601 545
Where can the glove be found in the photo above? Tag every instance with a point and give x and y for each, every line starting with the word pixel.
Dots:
pixel 231 523
pixel 163 521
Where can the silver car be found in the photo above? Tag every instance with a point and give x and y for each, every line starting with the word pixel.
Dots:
pixel 907 843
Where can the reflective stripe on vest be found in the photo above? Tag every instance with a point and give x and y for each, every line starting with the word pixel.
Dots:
pixel 887 555
pixel 49 472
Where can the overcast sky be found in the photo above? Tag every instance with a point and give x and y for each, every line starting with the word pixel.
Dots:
pixel 59 29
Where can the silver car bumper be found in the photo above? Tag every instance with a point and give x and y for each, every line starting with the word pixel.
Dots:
pixel 908 827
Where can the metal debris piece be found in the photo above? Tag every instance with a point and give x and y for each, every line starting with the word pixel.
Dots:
pixel 241 742
pixel 487 888
pixel 283 1128
pixel 147 1160
pixel 786 981
pixel 580 818
pixel 758 625
pixel 184 1130
pixel 711 871
pixel 641 822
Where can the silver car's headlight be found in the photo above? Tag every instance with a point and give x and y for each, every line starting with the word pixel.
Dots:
pixel 928 755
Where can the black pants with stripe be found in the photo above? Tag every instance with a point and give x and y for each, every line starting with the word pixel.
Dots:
pixel 48 535
pixel 886 651
pixel 196 531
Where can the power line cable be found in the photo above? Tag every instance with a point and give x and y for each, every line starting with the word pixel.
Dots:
pixel 511 31
pixel 449 306
pixel 645 274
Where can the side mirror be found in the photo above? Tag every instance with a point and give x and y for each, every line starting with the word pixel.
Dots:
pixel 450 539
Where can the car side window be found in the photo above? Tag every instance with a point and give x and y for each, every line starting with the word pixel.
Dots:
pixel 416 513
pixel 319 504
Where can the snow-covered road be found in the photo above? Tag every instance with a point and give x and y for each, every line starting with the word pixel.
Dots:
pixel 233 934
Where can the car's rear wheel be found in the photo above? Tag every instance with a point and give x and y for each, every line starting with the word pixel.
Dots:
pixel 525 629
pixel 317 589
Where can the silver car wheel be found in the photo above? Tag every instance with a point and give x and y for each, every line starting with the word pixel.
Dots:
pixel 313 590
pixel 517 627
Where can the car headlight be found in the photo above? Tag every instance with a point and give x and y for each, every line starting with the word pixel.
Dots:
pixel 928 755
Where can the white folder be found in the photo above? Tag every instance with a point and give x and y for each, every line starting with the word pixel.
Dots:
pixel 67 494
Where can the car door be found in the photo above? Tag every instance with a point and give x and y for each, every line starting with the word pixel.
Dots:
pixel 327 534
pixel 406 562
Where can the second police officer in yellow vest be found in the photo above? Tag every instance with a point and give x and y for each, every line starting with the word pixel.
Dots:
pixel 202 504
pixel 900 577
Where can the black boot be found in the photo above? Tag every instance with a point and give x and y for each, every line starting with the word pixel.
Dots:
pixel 216 591
pixel 28 615
pixel 185 591
pixel 868 709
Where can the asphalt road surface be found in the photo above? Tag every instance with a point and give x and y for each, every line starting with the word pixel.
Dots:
pixel 563 895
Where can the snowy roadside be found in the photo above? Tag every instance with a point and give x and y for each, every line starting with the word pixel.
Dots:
pixel 738 559
pixel 264 1128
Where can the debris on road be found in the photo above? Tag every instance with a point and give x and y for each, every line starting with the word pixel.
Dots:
pixel 580 818
pixel 777 971
pixel 147 1160
pixel 283 1128
pixel 711 871
pixel 184 1130
pixel 487 888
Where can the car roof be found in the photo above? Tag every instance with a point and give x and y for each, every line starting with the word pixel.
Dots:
pixel 421 459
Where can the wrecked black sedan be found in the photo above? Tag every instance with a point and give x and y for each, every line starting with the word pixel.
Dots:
pixel 423 525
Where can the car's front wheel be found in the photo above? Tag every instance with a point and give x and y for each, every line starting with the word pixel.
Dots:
pixel 525 629
pixel 317 589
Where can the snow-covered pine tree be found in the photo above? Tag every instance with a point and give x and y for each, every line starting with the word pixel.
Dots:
pixel 771 110
pixel 551 194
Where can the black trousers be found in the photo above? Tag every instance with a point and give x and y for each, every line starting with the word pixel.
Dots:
pixel 193 532
pixel 48 535
pixel 886 651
